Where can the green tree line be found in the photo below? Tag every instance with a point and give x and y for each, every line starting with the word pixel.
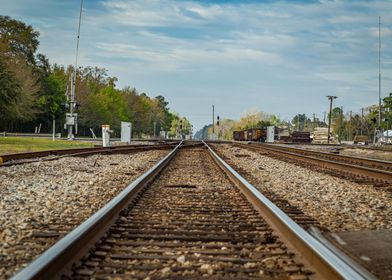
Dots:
pixel 224 130
pixel 344 125
pixel 33 92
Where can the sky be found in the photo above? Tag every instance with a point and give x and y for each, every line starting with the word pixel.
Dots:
pixel 279 57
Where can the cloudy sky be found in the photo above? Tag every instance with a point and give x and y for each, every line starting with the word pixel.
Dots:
pixel 280 57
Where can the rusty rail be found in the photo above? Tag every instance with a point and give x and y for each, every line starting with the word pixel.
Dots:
pixel 21 158
pixel 327 263
pixel 376 174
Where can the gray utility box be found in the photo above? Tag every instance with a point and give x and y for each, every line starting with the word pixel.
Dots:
pixel 270 134
pixel 126 132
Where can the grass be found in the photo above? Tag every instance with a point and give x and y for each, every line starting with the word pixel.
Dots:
pixel 12 145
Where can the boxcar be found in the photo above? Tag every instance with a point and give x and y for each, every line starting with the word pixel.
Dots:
pixel 256 134
pixel 239 135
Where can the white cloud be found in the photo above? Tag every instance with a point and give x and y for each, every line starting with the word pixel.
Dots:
pixel 210 12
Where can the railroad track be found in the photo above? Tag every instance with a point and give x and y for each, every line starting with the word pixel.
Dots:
pixel 22 158
pixel 358 169
pixel 185 219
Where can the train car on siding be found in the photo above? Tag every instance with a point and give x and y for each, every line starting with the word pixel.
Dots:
pixel 239 135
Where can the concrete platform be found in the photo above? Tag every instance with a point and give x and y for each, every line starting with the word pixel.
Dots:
pixel 372 249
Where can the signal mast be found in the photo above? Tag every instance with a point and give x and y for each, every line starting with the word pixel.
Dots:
pixel 71 119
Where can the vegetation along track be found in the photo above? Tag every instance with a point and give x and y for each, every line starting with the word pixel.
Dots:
pixel 358 169
pixel 191 221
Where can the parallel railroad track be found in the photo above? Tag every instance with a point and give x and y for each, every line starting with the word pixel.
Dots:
pixel 354 168
pixel 21 158
pixel 185 219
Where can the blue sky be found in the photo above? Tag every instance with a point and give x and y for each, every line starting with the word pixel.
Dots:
pixel 280 57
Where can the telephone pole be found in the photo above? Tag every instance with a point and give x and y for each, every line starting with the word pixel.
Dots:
pixel 361 121
pixel 379 72
pixel 331 98
pixel 213 120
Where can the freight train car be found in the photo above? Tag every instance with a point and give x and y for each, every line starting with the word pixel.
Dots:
pixel 260 135
pixel 256 134
pixel 239 135
pixel 253 134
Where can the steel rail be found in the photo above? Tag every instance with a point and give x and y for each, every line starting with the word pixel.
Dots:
pixel 59 257
pixel 380 175
pixel 361 160
pixel 7 160
pixel 327 263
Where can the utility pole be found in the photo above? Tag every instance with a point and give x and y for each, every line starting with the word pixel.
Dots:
pixel 324 117
pixel 155 127
pixel 213 120
pixel 351 128
pixel 361 121
pixel 71 117
pixel 331 98
pixel 379 72
pixel 314 120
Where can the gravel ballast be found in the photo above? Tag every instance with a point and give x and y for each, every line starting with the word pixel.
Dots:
pixel 335 203
pixel 42 201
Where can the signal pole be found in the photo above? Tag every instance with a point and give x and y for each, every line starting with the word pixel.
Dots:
pixel 71 117
pixel 217 124
pixel 331 98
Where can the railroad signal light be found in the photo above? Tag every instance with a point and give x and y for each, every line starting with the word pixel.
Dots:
pixel 217 123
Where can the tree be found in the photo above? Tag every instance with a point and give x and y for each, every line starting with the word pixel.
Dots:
pixel 32 91
pixel 9 88
pixel 338 123
pixel 18 44
pixel 263 124
pixel 387 116
pixel 180 126
pixel 21 38
pixel 52 99
pixel 167 116
pixel 24 109
pixel 301 122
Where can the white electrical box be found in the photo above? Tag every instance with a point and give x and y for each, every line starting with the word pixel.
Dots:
pixel 126 132
pixel 70 119
pixel 270 134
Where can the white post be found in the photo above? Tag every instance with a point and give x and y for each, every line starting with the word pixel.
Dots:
pixel 105 135
pixel 54 130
